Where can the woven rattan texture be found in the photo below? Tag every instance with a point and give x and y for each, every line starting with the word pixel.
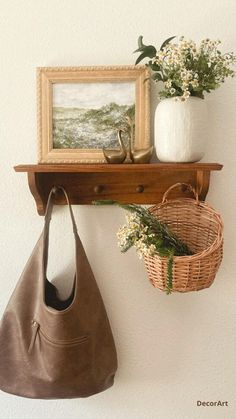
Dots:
pixel 201 228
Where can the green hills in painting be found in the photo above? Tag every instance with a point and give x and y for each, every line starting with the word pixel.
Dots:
pixel 89 128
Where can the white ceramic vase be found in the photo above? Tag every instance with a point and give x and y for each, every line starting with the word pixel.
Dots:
pixel 181 130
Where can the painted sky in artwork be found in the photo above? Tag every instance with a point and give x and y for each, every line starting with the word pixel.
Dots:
pixel 93 95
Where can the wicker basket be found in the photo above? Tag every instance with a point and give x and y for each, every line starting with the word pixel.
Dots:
pixel 201 228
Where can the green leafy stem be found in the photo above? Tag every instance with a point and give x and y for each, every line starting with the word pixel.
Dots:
pixel 166 243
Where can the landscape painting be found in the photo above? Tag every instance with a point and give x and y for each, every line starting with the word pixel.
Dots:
pixel 81 111
pixel 88 115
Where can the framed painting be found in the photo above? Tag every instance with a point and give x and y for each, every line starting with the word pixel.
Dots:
pixel 81 110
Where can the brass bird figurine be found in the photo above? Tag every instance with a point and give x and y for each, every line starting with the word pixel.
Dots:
pixel 116 156
pixel 137 156
pixel 141 156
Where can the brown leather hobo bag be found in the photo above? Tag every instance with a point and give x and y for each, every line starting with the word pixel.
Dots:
pixel 51 348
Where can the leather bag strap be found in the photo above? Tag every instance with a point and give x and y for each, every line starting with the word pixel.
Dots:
pixel 50 204
pixel 47 219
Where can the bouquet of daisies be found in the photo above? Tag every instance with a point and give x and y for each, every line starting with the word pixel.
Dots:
pixel 185 68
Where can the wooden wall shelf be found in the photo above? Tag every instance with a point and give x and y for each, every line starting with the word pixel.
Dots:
pixel 136 183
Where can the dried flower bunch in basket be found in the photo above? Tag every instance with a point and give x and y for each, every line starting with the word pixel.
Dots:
pixel 180 240
pixel 150 237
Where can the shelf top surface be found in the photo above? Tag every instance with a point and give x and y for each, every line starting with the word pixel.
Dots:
pixel 121 168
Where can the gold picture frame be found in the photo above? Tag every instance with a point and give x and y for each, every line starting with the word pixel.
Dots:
pixel 80 109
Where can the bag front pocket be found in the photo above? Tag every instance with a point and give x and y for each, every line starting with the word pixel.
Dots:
pixel 60 359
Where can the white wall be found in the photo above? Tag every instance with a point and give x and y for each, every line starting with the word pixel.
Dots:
pixel 173 350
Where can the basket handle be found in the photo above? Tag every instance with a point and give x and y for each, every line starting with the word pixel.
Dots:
pixel 176 185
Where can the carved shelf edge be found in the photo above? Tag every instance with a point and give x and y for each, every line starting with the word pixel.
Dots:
pixel 136 183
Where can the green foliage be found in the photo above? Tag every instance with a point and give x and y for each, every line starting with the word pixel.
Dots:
pixel 167 41
pixel 146 50
pixel 170 273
